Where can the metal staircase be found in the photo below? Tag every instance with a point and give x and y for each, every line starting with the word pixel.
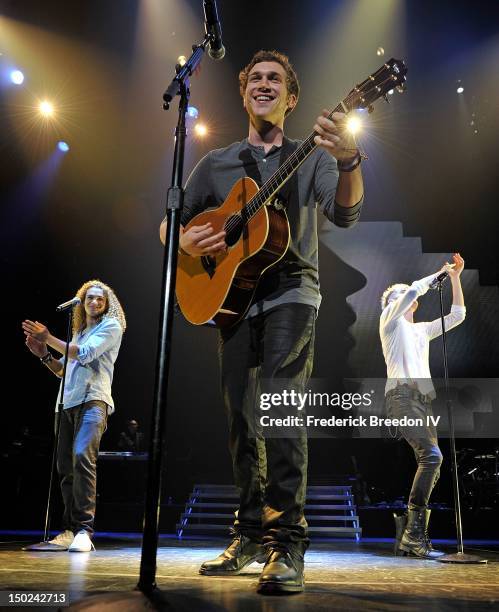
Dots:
pixel 330 511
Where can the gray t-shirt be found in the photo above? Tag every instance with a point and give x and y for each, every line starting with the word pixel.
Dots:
pixel 296 277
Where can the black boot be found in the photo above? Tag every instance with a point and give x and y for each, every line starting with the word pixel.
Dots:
pixel 283 571
pixel 415 540
pixel 241 552
pixel 400 525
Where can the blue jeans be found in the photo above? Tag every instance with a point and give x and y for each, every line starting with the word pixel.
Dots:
pixel 81 429
pixel 404 401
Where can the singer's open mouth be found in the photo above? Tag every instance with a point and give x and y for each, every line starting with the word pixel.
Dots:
pixel 263 98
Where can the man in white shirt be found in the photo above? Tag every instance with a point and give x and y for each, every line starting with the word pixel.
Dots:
pixel 409 392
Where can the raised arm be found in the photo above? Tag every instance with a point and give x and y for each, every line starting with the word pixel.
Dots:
pixel 340 143
pixel 40 332
pixel 403 299
pixel 85 352
pixel 458 310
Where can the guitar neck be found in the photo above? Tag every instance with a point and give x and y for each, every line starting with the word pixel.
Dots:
pixel 272 186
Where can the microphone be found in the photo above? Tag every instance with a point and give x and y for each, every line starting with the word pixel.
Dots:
pixel 69 304
pixel 213 28
pixel 440 278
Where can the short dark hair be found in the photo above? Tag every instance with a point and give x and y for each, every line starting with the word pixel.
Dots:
pixel 292 84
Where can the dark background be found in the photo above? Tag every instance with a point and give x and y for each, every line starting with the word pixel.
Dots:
pixel 95 212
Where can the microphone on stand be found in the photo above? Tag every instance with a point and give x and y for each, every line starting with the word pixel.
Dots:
pixel 69 304
pixel 440 278
pixel 214 29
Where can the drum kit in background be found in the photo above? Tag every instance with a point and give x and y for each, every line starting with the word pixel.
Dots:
pixel 479 478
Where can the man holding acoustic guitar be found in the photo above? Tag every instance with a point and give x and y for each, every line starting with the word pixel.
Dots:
pixel 265 227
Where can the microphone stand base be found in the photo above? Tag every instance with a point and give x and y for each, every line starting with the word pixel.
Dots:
pixel 45 547
pixel 462 558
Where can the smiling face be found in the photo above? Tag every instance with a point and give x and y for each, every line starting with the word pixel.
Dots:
pixel 266 97
pixel 95 302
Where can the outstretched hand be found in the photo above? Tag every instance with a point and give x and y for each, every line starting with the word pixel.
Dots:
pixel 37 330
pixel 458 265
pixel 455 268
pixel 36 347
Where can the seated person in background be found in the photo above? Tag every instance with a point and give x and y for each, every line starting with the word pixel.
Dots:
pixel 131 440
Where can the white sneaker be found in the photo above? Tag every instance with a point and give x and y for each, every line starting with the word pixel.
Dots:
pixel 81 543
pixel 63 539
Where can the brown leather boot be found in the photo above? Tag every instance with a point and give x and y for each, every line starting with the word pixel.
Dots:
pixel 241 552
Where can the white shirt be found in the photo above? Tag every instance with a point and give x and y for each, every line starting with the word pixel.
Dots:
pixel 406 346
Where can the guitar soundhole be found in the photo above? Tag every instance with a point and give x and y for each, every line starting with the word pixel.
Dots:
pixel 234 227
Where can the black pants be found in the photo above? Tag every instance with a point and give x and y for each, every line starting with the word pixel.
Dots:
pixel 404 401
pixel 80 434
pixel 276 349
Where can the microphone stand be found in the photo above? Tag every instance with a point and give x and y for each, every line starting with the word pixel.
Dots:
pixel 44 544
pixel 460 556
pixel 174 203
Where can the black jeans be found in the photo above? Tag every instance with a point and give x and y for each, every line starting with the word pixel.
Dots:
pixel 274 348
pixel 80 434
pixel 404 401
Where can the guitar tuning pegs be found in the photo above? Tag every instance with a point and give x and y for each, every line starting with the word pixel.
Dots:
pixel 370 108
pixel 401 88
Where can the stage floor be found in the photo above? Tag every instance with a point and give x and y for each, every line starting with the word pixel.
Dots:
pixel 339 576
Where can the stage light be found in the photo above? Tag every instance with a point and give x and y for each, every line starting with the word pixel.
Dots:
pixel 380 51
pixel 354 124
pixel 17 77
pixel 460 89
pixel 192 112
pixel 63 146
pixel 46 108
pixel 200 130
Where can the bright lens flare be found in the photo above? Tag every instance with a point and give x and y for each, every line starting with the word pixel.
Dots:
pixel 46 108
pixel 200 130
pixel 17 77
pixel 354 124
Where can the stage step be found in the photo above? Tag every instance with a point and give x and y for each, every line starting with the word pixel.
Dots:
pixel 317 496
pixel 323 531
pixel 217 515
pixel 230 517
pixel 234 506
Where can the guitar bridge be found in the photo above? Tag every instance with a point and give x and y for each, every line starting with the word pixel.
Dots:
pixel 209 264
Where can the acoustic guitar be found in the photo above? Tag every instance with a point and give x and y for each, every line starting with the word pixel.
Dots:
pixel 218 289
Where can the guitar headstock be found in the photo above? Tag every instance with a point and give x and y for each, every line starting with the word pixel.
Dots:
pixel 390 76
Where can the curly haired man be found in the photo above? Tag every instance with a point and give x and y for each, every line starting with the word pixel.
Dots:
pixel 98 326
